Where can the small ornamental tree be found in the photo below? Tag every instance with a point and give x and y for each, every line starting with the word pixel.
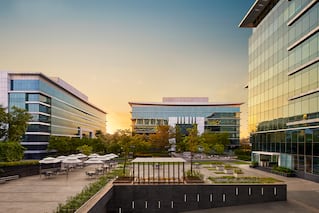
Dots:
pixel 192 142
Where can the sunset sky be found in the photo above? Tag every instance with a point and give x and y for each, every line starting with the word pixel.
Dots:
pixel 116 51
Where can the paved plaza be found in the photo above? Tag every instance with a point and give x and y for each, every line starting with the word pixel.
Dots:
pixel 41 195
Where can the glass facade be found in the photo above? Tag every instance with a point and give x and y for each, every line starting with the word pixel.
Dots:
pixel 284 84
pixel 214 118
pixel 55 111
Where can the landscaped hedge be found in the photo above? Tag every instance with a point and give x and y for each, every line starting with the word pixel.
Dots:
pixel 23 168
pixel 283 171
pixel 19 163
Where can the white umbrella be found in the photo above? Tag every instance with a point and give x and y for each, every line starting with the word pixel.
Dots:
pixel 72 155
pixel 61 157
pixel 104 158
pixel 111 156
pixel 93 155
pixel 49 160
pixel 81 155
pixel 94 161
pixel 114 155
pixel 71 160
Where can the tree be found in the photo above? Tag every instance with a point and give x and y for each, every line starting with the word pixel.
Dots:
pixel 159 140
pixel 85 149
pixel 216 141
pixel 124 141
pixel 139 144
pixel 17 123
pixel 12 127
pixel 192 142
pixel 219 148
pixel 13 124
pixel 11 151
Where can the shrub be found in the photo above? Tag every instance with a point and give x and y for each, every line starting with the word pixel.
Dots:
pixel 11 151
pixel 194 174
pixel 19 163
pixel 282 170
pixel 238 171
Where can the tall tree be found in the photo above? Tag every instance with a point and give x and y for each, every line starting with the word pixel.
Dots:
pixel 216 141
pixel 124 139
pixel 192 142
pixel 17 123
pixel 159 140
pixel 12 127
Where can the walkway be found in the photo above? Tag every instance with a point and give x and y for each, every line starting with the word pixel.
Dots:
pixel 41 195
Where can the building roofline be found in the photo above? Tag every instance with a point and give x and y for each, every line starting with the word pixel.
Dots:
pixel 185 103
pixel 58 85
pixel 257 13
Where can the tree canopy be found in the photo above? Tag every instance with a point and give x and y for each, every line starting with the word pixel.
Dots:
pixel 13 124
pixel 12 127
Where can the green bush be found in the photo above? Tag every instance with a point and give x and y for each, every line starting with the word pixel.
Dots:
pixel 238 171
pixel 19 163
pixel 282 170
pixel 194 174
pixel 11 151
pixel 244 157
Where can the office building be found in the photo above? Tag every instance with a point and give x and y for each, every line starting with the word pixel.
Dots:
pixel 283 85
pixel 57 109
pixel 184 112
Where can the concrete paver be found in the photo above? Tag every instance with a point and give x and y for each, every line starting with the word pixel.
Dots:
pixel 40 194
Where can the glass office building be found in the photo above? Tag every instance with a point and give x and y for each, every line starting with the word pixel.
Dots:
pixel 283 86
pixel 57 109
pixel 182 111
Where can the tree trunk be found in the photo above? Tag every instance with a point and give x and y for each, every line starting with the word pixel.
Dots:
pixel 191 163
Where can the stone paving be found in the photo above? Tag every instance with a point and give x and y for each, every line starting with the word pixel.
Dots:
pixel 41 194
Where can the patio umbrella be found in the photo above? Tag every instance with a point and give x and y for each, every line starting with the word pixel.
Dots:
pixel 81 155
pixel 93 155
pixel 71 160
pixel 104 158
pixel 62 157
pixel 111 155
pixel 49 160
pixel 94 161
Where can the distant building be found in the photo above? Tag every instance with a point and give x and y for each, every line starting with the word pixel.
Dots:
pixel 57 109
pixel 184 112
pixel 283 87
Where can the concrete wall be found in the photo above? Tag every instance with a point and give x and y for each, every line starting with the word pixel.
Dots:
pixel 178 198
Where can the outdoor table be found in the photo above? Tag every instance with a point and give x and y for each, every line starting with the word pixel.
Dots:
pixel 90 173
pixel 99 170
pixel 63 170
pixel 49 173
